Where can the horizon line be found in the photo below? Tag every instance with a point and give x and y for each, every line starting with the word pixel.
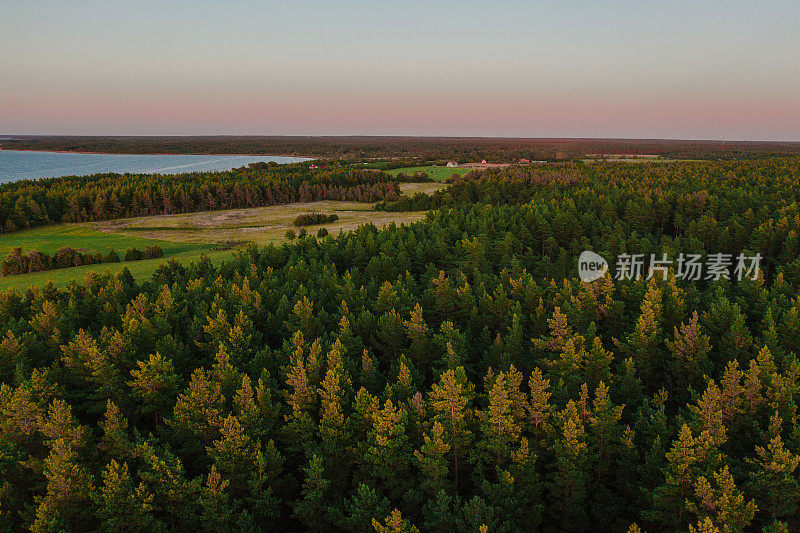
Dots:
pixel 10 136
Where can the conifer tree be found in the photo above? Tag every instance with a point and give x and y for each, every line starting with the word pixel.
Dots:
pixel 432 459
pixel 234 455
pixel 394 523
pixel 115 441
pixel 417 333
pixel 359 511
pixel 539 407
pixel 155 383
pixel 688 459
pixel 175 497
pixel 722 502
pixel 605 430
pixel 689 354
pixel 449 401
pixel 214 503
pixel 66 503
pixel 302 397
pixel 389 453
pixel 198 411
pixel 773 480
pixel 501 423
pixel 121 505
pixel 265 484
pixel 644 343
pixel 310 508
pixel 569 479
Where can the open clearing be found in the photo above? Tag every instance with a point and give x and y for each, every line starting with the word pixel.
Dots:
pixel 85 238
pixel 187 237
pixel 140 270
pixel 437 173
pixel 261 225
pixel 410 189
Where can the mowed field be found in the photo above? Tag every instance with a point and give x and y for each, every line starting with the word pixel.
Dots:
pixel 84 237
pixel 437 173
pixel 187 237
pixel 261 225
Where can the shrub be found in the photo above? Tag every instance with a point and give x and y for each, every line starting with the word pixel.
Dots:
pixel 15 263
pixel 303 233
pixel 112 257
pixel 92 258
pixel 322 232
pixel 133 254
pixel 290 234
pixel 37 261
pixel 67 257
pixel 153 252
pixel 310 219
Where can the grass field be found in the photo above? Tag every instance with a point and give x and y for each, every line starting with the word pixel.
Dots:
pixel 82 237
pixel 261 225
pixel 437 173
pixel 429 187
pixel 85 237
pixel 187 237
pixel 140 270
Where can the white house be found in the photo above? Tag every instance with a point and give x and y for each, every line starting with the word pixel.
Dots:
pixel 452 164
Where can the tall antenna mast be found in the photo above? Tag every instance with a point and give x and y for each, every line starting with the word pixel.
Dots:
pixel 723 134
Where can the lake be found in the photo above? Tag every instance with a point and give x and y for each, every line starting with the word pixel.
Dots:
pixel 17 165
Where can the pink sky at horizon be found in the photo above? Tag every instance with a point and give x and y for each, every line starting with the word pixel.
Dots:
pixel 114 69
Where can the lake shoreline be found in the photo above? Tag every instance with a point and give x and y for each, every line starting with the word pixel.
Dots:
pixel 17 165
pixel 309 158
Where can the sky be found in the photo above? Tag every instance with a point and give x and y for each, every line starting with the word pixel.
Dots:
pixel 614 68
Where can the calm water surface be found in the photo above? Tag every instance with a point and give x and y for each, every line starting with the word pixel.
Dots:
pixel 17 165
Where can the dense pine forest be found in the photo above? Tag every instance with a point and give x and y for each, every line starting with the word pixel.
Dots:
pixel 449 375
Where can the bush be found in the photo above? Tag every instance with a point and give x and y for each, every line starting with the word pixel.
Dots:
pixel 67 257
pixel 322 232
pixel 133 254
pixel 92 258
pixel 153 252
pixel 112 257
pixel 290 234
pixel 303 233
pixel 310 219
pixel 15 263
pixel 37 261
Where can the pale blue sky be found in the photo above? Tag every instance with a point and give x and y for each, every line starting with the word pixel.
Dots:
pixel 570 68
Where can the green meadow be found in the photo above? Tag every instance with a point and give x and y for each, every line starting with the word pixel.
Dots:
pixel 187 237
pixel 83 237
pixel 437 173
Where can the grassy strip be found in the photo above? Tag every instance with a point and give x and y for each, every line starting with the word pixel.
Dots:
pixel 436 173
pixel 141 270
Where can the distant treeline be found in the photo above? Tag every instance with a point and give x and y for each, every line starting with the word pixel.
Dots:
pixel 509 185
pixel 28 203
pixel 309 219
pixel 461 149
pixel 67 257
